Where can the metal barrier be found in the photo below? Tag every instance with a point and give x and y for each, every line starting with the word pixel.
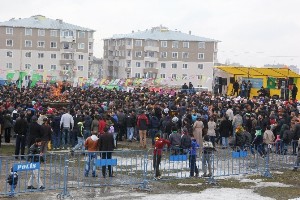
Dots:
pixel 64 171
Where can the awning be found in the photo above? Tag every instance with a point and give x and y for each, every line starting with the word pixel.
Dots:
pixel 255 71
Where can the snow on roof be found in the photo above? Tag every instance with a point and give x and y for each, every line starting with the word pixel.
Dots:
pixel 39 21
pixel 162 33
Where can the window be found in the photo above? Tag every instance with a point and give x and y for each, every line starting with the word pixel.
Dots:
pixel 164 44
pixel 28 43
pixel 163 65
pixel 41 32
pixel 40 66
pixel 80 57
pixel 53 67
pixel 53 33
pixel 81 34
pixel 199 77
pixel 9 54
pixel 53 56
pixel 137 75
pixel 185 55
pixel 66 33
pixel 9 31
pixel 201 45
pixel 128 42
pixel 185 66
pixel 163 54
pixel 174 76
pixel 138 43
pixel 40 55
pixel 81 45
pixel 53 44
pixel 200 66
pixel 184 76
pixel 66 67
pixel 90 45
pixel 185 44
pixel 80 68
pixel 175 44
pixel 162 75
pixel 174 65
pixel 138 64
pixel 27 66
pixel 138 54
pixel 128 52
pixel 174 54
pixel 9 65
pixel 28 31
pixel 201 56
pixel 41 44
pixel 28 54
pixel 9 43
pixel 67 56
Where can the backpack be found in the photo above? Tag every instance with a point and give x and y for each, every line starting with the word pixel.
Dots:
pixel 155 122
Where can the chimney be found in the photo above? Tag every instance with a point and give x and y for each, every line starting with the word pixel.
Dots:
pixel 190 32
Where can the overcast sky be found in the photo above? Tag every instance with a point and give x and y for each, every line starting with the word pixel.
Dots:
pixel 252 32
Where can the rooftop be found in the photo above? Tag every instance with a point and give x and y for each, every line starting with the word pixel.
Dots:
pixel 40 21
pixel 162 33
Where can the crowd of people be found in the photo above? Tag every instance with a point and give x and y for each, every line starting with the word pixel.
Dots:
pixel 142 114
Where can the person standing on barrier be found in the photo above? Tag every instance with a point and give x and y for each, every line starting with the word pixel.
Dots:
pixel 208 150
pixel 20 129
pixel 297 163
pixel 35 156
pixel 91 144
pixel 193 157
pixel 106 146
pixel 159 145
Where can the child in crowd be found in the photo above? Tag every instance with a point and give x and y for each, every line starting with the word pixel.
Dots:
pixel 12 180
pixel 208 150
pixel 193 156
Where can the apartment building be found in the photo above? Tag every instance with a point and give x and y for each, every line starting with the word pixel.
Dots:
pixel 96 69
pixel 161 53
pixel 51 48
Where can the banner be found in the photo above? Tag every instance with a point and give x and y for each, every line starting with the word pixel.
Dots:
pixel 271 83
pixel 35 78
pixel 21 77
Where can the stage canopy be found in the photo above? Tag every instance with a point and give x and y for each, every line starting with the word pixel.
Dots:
pixel 255 71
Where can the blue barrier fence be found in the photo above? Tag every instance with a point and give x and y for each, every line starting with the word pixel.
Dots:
pixel 63 171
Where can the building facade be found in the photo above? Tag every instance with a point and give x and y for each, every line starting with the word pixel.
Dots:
pixel 96 69
pixel 52 48
pixel 161 53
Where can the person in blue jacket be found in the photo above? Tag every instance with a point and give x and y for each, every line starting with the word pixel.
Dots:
pixel 193 156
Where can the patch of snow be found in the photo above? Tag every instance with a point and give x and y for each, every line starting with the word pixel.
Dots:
pixel 272 184
pixel 193 185
pixel 277 172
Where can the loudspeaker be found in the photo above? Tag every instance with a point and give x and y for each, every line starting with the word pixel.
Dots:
pixel 231 79
pixel 224 81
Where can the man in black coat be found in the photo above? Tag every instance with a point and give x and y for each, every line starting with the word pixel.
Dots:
pixel 106 144
pixel 35 131
pixel 20 129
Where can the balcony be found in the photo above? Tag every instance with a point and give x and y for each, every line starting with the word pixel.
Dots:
pixel 67 39
pixel 128 47
pixel 150 70
pixel 67 50
pixel 151 59
pixel 67 62
pixel 151 48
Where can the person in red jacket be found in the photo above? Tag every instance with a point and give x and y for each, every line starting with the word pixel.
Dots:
pixel 143 123
pixel 159 145
pixel 102 125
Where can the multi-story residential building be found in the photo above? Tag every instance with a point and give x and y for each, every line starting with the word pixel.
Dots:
pixel 96 69
pixel 52 48
pixel 161 53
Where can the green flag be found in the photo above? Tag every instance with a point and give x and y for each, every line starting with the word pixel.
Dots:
pixel 21 77
pixel 35 78
pixel 271 83
pixel 10 76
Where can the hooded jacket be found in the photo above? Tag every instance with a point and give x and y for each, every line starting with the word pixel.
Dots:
pixel 91 143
